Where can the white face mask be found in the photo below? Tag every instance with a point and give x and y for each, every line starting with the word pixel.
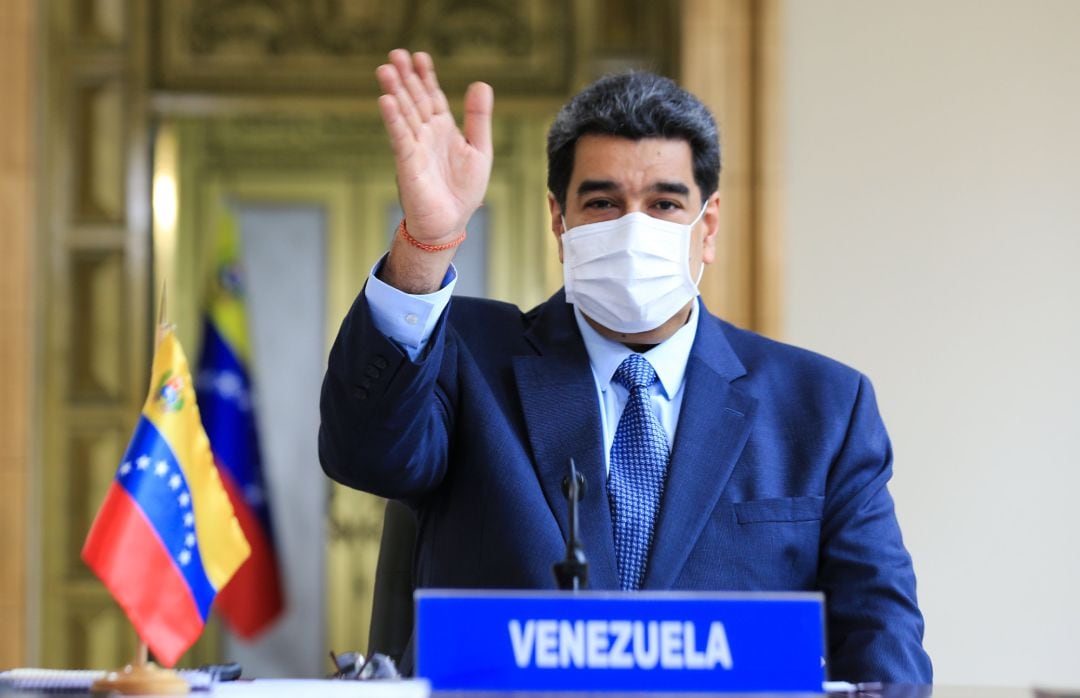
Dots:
pixel 631 274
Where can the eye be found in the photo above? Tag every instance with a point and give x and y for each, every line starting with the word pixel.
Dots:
pixel 599 204
pixel 667 206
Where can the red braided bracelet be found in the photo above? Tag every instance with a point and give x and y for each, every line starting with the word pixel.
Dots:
pixel 423 245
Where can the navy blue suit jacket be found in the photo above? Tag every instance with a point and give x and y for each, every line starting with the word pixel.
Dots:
pixel 777 479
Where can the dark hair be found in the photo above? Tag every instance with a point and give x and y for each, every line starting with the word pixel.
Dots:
pixel 634 105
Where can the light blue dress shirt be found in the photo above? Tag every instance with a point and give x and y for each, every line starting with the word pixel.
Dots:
pixel 406 318
pixel 410 319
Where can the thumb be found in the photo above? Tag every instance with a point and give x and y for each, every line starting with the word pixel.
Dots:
pixel 479 103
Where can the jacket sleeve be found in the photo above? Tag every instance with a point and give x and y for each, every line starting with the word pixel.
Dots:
pixel 385 420
pixel 875 627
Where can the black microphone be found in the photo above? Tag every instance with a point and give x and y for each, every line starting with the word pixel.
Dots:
pixel 572 574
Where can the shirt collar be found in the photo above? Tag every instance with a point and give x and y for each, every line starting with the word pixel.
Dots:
pixel 668 358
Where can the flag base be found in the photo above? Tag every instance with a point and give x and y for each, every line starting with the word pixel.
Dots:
pixel 144 679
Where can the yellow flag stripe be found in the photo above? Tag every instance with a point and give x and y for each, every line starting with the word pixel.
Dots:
pixel 222 544
pixel 226 310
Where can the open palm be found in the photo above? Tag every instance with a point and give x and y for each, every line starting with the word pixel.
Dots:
pixel 442 172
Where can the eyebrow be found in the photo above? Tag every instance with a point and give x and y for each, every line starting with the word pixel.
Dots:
pixel 670 188
pixel 606 185
pixel 588 186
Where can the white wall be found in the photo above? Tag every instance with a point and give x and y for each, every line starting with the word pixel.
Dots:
pixel 933 241
pixel 284 253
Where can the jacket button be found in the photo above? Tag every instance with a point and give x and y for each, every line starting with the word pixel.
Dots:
pixel 360 394
pixel 380 362
pixel 371 372
pixel 365 383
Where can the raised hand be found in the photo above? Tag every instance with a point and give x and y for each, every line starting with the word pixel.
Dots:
pixel 442 172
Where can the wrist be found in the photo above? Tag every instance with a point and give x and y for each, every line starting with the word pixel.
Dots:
pixel 412 270
pixel 436 246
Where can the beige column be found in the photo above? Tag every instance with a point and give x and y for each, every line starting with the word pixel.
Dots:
pixel 17 40
pixel 728 59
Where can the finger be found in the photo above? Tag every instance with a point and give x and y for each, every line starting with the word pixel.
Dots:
pixel 389 78
pixel 401 135
pixel 479 103
pixel 403 61
pixel 425 68
pixel 419 96
pixel 408 110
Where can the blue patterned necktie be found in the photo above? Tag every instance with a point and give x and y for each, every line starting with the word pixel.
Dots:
pixel 639 460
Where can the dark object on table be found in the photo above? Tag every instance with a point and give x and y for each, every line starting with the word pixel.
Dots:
pixel 222 672
pixel 353 666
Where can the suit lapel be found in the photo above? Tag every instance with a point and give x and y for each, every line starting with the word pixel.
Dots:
pixel 714 424
pixel 562 416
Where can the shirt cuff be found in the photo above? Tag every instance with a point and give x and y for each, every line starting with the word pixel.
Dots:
pixel 406 318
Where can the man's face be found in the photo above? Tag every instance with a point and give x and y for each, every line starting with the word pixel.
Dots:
pixel 615 176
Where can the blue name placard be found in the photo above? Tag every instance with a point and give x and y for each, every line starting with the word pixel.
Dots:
pixel 598 641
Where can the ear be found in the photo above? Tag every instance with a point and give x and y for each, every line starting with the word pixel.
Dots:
pixel 556 221
pixel 711 221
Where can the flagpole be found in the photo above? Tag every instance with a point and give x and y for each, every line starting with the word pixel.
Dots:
pixel 143 677
pixel 162 325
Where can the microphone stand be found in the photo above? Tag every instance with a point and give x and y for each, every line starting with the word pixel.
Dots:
pixel 572 573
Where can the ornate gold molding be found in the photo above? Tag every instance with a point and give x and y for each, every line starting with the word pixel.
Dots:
pixel 296 46
pixel 95 299
pixel 18 40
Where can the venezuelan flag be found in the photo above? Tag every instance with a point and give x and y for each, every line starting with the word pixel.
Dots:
pixel 166 539
pixel 254 597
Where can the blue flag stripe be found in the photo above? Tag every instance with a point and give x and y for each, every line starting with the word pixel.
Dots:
pixel 152 476
pixel 223 390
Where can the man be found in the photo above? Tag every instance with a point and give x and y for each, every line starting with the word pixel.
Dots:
pixel 714 459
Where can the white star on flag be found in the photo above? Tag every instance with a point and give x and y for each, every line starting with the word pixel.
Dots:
pixel 253 494
pixel 175 481
pixel 230 386
pixel 161 468
pixel 125 468
pixel 142 462
pixel 189 540
pixel 227 384
pixel 184 499
pixel 184 557
pixel 189 519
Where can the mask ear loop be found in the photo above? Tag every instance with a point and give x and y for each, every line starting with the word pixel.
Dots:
pixel 701 213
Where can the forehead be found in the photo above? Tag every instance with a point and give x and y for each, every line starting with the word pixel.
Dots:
pixel 632 164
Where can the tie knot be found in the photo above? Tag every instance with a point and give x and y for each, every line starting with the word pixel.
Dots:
pixel 635 372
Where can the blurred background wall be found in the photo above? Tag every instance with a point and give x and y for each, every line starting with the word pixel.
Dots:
pixel 933 241
pixel 899 192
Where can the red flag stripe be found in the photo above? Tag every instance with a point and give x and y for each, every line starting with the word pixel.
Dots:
pixel 126 553
pixel 253 598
